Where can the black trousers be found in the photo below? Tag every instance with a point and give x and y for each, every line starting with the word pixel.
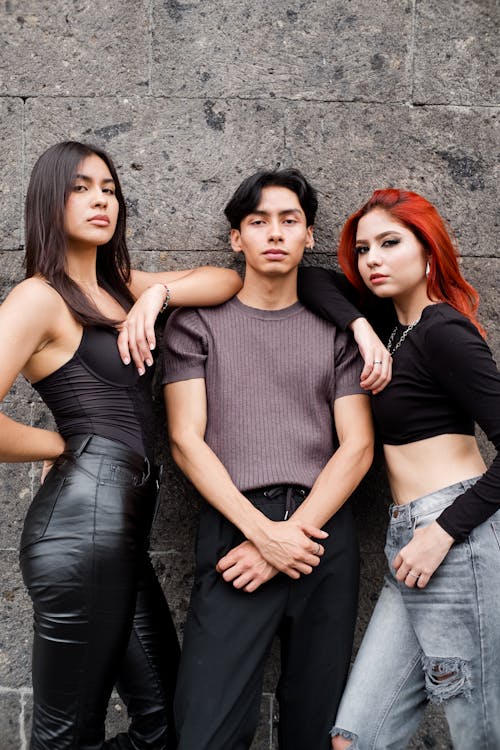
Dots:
pixel 229 633
pixel 100 617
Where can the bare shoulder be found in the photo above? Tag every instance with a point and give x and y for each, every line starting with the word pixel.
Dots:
pixel 34 303
pixel 35 295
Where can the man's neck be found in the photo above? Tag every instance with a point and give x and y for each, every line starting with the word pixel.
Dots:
pixel 270 293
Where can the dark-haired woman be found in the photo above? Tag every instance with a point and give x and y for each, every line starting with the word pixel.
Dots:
pixel 100 616
pixel 435 632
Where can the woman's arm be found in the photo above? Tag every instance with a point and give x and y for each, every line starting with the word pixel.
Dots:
pixel 329 295
pixel 200 287
pixel 26 320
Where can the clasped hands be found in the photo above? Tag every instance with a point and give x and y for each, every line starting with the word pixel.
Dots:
pixel 288 547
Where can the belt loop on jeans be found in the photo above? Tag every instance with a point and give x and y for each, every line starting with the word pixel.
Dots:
pixel 86 440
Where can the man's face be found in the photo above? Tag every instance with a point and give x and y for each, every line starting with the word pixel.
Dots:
pixel 274 236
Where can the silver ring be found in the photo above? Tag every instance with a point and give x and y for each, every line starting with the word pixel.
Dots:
pixel 319 548
pixel 413 575
pixel 377 362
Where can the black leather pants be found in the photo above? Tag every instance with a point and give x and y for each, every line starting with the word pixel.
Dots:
pixel 100 617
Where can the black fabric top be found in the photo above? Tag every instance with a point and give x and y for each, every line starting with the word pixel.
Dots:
pixel 94 392
pixel 444 380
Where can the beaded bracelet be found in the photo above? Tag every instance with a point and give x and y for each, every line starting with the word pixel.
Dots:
pixel 167 299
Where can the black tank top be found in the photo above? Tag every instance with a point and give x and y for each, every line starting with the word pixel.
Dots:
pixel 94 392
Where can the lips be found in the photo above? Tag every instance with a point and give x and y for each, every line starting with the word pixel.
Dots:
pixel 275 254
pixel 377 278
pixel 100 220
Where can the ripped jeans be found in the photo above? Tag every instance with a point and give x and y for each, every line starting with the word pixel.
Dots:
pixel 440 643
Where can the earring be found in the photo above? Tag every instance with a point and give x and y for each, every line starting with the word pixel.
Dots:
pixel 427 268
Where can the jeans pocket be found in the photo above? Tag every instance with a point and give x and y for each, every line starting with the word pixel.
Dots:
pixel 41 509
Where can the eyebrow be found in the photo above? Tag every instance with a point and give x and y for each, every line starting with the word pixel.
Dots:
pixel 380 236
pixel 85 178
pixel 281 213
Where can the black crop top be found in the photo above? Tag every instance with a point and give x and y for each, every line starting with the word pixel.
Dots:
pixel 444 379
pixel 94 392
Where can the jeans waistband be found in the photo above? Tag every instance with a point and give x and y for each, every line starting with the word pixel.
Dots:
pixel 430 503
pixel 97 445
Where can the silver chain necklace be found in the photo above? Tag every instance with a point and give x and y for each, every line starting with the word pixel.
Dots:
pixel 392 348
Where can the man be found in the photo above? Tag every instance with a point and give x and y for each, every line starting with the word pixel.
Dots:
pixel 255 391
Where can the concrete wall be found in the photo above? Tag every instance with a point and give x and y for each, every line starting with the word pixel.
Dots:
pixel 189 96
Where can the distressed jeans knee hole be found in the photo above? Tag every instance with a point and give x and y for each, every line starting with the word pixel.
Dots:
pixel 344 734
pixel 446 678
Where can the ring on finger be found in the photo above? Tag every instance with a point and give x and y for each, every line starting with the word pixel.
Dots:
pixel 319 549
pixel 377 362
pixel 413 575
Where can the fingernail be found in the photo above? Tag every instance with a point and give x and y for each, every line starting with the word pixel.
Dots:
pixel 152 346
pixel 126 361
pixel 141 370
pixel 149 362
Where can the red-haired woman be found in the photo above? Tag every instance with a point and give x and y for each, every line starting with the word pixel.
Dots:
pixel 435 632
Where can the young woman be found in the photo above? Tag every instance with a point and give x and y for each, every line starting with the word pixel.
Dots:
pixel 100 616
pixel 435 632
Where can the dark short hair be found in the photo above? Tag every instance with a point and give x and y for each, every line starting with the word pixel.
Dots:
pixel 246 197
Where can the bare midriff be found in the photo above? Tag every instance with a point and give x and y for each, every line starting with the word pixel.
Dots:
pixel 419 468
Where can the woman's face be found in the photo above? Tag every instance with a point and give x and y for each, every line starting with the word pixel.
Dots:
pixel 391 260
pixel 91 210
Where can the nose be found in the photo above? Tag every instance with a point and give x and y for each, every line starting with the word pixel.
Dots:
pixel 372 257
pixel 275 231
pixel 99 198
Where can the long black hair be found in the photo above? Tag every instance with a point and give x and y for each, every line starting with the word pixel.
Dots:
pixel 50 184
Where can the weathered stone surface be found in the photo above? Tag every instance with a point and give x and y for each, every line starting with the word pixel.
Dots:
pixel 192 96
pixel 297 50
pixel 11 265
pixel 15 624
pixel 116 719
pixel 445 153
pixel 456 52
pixel 174 201
pixel 11 167
pixel 9 724
pixel 264 736
pixel 62 48
pixel 16 481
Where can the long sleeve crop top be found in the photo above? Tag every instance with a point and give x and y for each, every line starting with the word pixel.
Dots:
pixel 444 380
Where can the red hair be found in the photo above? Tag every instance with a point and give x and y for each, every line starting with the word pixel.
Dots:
pixel 445 282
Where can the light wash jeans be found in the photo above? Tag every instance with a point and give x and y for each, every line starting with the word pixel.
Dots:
pixel 440 643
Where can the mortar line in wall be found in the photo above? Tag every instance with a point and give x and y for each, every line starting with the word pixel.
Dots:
pixel 198 250
pixel 22 732
pixel 150 50
pixel 168 97
pixel 412 49
pixel 23 169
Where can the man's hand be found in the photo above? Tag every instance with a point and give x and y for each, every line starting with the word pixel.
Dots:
pixel 377 371
pixel 420 558
pixel 137 332
pixel 290 546
pixel 245 567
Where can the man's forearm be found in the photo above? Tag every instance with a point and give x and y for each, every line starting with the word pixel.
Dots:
pixel 210 477
pixel 289 548
pixel 336 483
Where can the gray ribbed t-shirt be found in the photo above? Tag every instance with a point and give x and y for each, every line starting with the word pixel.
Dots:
pixel 271 379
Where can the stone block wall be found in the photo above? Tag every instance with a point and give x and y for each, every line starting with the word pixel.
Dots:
pixel 189 96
